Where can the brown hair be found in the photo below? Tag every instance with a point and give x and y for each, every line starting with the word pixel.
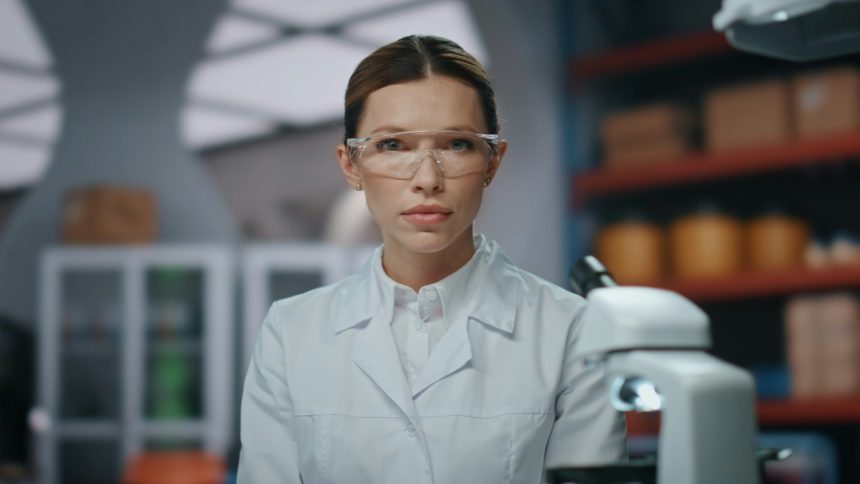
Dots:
pixel 410 59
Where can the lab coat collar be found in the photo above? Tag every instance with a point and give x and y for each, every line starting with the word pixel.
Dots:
pixel 499 287
pixel 499 290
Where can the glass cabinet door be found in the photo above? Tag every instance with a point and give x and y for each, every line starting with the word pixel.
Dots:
pixel 286 282
pixel 174 342
pixel 91 331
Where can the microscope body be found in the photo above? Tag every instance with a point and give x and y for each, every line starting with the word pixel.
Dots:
pixel 708 428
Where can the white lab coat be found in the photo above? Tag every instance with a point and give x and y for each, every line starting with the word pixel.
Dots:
pixel 500 397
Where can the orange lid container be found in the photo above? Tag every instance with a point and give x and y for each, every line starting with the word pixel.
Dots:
pixel 184 467
pixel 706 245
pixel 633 251
pixel 776 241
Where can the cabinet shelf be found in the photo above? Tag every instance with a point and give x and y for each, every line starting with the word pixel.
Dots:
pixel 812 411
pixel 763 284
pixel 88 429
pixel 650 54
pixel 704 167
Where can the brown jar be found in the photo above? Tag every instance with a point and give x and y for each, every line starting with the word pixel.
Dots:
pixel 776 241
pixel 706 244
pixel 633 251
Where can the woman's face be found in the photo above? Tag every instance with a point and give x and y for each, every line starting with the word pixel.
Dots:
pixel 436 102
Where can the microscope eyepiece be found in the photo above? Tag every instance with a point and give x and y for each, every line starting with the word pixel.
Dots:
pixel 589 273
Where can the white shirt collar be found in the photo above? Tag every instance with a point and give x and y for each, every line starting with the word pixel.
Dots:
pixel 497 289
pixel 453 292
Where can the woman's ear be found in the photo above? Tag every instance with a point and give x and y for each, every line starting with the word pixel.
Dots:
pixel 350 171
pixel 493 167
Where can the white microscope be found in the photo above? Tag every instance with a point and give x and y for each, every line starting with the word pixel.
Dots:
pixel 652 344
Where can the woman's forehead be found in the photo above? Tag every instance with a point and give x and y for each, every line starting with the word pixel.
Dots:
pixel 435 102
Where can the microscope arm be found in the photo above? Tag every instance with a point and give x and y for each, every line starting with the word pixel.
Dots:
pixel 708 426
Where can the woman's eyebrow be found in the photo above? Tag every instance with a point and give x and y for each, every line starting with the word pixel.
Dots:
pixel 462 127
pixel 388 129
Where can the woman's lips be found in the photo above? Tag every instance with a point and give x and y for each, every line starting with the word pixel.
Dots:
pixel 426 214
pixel 426 218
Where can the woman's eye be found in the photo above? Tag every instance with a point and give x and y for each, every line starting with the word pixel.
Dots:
pixel 389 145
pixel 461 145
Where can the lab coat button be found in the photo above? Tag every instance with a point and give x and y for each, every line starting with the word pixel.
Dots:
pixel 410 431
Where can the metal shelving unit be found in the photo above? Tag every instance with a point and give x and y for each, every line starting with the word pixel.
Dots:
pixel 134 354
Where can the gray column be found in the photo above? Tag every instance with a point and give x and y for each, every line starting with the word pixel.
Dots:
pixel 123 66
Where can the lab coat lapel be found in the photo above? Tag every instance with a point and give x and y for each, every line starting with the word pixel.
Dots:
pixel 376 355
pixel 454 351
pixel 494 304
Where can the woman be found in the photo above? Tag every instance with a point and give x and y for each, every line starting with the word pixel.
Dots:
pixel 440 361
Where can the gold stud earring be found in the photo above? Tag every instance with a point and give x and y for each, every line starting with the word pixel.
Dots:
pixel 486 182
pixel 357 186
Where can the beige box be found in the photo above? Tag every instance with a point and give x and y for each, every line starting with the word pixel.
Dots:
pixel 645 122
pixel 748 115
pixel 646 152
pixel 839 344
pixel 826 102
pixel 802 349
pixel 648 134
pixel 108 214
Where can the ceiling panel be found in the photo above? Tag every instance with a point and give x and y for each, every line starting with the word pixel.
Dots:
pixel 300 81
pixel 233 31
pixel 202 127
pixel 20 165
pixel 16 90
pixel 321 12
pixel 20 41
pixel 41 123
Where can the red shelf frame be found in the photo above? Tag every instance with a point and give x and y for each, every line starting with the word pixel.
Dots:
pixel 650 54
pixel 812 411
pixel 715 166
pixel 760 284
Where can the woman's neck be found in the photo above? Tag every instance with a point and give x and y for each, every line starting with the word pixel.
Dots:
pixel 418 269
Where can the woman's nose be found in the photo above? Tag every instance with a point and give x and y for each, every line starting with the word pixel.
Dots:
pixel 429 176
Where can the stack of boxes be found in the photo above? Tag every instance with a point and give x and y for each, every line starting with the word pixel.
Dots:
pixel 754 114
pixel 647 135
pixel 823 345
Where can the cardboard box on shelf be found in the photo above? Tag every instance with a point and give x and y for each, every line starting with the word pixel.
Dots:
pixel 826 102
pixel 109 214
pixel 802 349
pixel 646 152
pixel 747 115
pixel 653 133
pixel 839 337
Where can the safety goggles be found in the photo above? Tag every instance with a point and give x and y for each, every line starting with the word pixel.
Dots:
pixel 399 155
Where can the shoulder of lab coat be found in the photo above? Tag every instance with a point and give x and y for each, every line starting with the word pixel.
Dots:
pixel 269 452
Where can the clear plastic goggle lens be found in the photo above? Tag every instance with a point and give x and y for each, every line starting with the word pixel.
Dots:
pixel 399 155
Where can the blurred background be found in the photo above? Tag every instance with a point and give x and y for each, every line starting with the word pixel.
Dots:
pixel 167 170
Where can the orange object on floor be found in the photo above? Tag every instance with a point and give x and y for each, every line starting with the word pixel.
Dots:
pixel 182 467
